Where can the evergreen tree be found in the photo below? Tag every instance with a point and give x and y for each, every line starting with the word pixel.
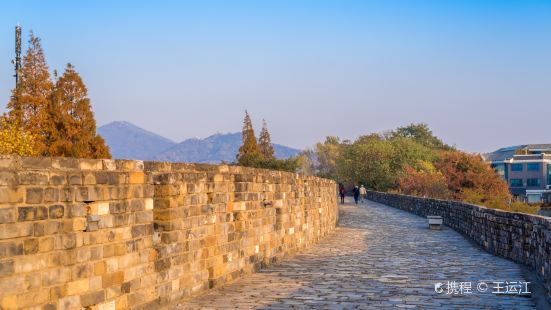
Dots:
pixel 249 151
pixel 265 142
pixel 70 126
pixel 29 100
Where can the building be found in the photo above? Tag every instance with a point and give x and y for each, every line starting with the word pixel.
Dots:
pixel 527 170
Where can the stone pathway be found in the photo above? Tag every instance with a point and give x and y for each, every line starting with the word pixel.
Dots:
pixel 379 257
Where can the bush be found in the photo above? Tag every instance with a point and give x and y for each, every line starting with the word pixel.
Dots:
pixel 14 140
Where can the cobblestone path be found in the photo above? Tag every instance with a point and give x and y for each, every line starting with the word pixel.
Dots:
pixel 379 257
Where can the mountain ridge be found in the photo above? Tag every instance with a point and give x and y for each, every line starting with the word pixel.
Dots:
pixel 128 141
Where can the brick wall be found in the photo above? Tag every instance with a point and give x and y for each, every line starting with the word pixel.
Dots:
pixel 110 234
pixel 523 238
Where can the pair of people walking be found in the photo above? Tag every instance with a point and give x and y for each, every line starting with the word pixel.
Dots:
pixel 359 193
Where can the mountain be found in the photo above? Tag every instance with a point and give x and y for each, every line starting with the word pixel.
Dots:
pixel 214 149
pixel 128 141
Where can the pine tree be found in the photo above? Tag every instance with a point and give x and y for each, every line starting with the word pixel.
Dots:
pixel 249 151
pixel 265 142
pixel 70 124
pixel 29 100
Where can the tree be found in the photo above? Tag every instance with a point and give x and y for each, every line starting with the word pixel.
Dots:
pixel 377 161
pixel 70 125
pixel 368 161
pixel 27 106
pixel 424 181
pixel 326 156
pixel 249 151
pixel 471 179
pixel 265 142
pixel 422 134
pixel 14 140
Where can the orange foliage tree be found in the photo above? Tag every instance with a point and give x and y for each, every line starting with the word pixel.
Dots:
pixel 51 119
pixel 424 181
pixel 70 126
pixel 27 106
pixel 459 176
pixel 471 179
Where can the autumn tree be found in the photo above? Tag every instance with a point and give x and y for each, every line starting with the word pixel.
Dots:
pixel 265 142
pixel 249 152
pixel 14 140
pixel 252 155
pixel 27 106
pixel 424 181
pixel 471 179
pixel 70 125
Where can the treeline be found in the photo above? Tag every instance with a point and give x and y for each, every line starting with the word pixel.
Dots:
pixel 411 160
pixel 49 117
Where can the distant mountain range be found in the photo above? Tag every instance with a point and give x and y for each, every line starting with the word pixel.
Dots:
pixel 128 141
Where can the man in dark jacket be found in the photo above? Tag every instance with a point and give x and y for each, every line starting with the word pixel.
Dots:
pixel 356 192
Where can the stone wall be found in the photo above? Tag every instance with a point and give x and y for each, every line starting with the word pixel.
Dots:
pixel 106 234
pixel 523 238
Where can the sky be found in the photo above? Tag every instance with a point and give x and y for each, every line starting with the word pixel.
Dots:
pixel 477 72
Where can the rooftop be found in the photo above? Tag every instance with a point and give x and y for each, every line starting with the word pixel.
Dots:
pixel 508 152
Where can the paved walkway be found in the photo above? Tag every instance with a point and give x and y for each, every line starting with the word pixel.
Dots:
pixel 379 257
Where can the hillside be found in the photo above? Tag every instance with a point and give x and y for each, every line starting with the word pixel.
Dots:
pixel 214 149
pixel 128 141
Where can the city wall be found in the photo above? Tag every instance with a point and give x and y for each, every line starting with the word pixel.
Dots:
pixel 113 234
pixel 523 238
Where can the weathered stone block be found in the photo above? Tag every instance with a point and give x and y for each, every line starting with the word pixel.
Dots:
pixel 11 195
pixel 115 278
pixel 30 246
pixel 36 162
pixel 34 195
pixel 93 298
pixel 33 298
pixel 90 164
pixel 148 203
pixel 78 287
pixel 107 306
pixel 6 268
pixel 56 211
pixel 46 244
pixel 9 302
pixel 8 215
pixel 136 178
pixel 98 208
pixel 32 213
pixel 75 179
pixel 8 178
pixel 65 163
pixel 69 302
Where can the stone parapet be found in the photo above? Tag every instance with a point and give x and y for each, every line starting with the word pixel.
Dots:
pixel 523 238
pixel 117 234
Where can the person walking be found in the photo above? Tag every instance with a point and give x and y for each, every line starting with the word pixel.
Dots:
pixel 363 193
pixel 342 191
pixel 356 192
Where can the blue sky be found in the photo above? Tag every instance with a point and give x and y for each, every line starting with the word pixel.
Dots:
pixel 478 72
